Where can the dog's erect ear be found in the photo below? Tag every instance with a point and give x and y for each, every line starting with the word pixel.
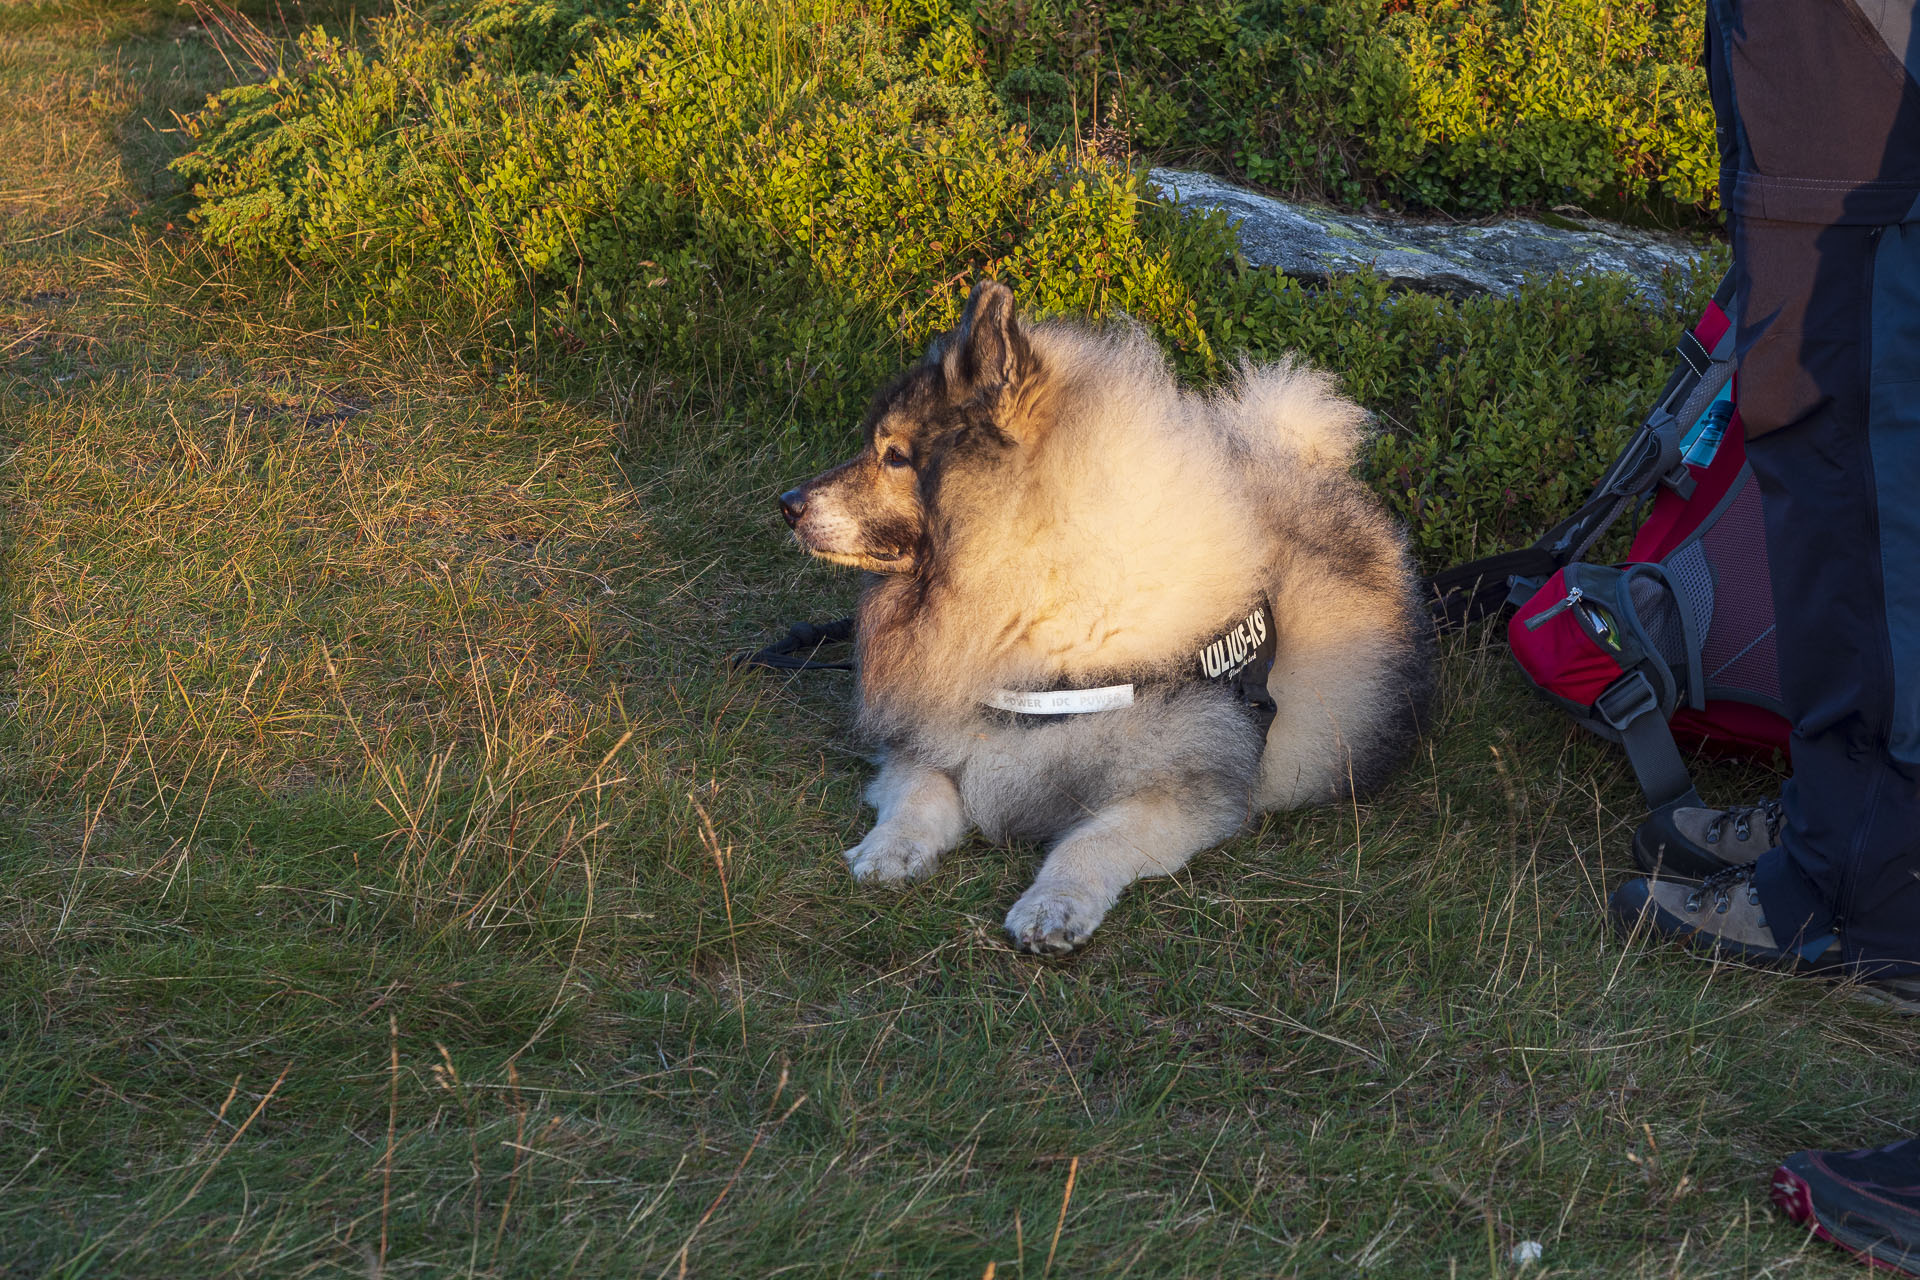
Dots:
pixel 986 351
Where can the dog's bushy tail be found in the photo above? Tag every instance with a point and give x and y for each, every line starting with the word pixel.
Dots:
pixel 1289 412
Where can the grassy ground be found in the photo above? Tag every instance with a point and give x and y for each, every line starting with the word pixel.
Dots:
pixel 393 879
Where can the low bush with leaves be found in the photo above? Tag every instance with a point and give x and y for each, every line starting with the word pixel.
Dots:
pixel 1496 416
pixel 1464 106
pixel 794 189
pixel 767 207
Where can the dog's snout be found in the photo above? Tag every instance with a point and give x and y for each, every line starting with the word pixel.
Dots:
pixel 793 505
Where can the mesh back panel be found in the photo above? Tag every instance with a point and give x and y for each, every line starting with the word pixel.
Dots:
pixel 1660 615
pixel 1738 652
pixel 1687 566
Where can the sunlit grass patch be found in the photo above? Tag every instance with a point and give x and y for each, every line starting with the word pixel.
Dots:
pixel 306 568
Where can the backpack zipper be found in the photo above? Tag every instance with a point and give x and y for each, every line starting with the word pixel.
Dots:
pixel 1573 597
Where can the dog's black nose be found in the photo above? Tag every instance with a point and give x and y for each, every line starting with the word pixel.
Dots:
pixel 793 505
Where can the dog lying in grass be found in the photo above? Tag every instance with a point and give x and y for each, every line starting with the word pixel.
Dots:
pixel 1110 613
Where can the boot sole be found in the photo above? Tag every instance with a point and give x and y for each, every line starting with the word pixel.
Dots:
pixel 1889 993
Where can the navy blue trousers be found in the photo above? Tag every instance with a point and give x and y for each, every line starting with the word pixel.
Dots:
pixel 1819 115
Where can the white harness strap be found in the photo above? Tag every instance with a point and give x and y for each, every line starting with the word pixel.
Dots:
pixel 1240 657
pixel 1062 702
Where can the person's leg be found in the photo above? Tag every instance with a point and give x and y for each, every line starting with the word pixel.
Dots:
pixel 1830 396
pixel 1820 123
pixel 1819 120
pixel 1830 393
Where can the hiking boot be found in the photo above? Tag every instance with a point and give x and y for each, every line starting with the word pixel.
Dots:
pixel 1721 914
pixel 1692 840
pixel 1867 1202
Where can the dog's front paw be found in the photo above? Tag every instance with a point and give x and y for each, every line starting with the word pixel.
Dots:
pixel 888 857
pixel 1051 921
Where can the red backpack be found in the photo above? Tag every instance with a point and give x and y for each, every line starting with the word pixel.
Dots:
pixel 1676 642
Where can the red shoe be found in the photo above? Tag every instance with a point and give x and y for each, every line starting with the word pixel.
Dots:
pixel 1867 1202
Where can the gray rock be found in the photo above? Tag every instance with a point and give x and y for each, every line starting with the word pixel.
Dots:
pixel 1451 258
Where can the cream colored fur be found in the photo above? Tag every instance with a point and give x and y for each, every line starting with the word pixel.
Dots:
pixel 1124 522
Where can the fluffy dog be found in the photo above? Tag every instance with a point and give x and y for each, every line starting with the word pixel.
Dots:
pixel 1041 508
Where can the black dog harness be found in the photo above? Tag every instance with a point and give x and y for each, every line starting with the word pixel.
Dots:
pixel 1240 658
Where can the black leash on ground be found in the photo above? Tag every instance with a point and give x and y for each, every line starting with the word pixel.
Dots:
pixel 784 654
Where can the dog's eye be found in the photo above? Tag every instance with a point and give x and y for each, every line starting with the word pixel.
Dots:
pixel 894 458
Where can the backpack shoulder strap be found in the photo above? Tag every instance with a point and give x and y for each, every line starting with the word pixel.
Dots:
pixel 1631 709
pixel 1467 592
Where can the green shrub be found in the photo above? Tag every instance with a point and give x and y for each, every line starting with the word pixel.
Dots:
pixel 771 206
pixel 1496 416
pixel 801 189
pixel 1460 105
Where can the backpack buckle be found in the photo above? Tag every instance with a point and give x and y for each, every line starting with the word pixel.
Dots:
pixel 1626 700
pixel 1651 750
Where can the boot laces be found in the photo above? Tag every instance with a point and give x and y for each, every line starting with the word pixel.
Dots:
pixel 1742 816
pixel 1720 888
